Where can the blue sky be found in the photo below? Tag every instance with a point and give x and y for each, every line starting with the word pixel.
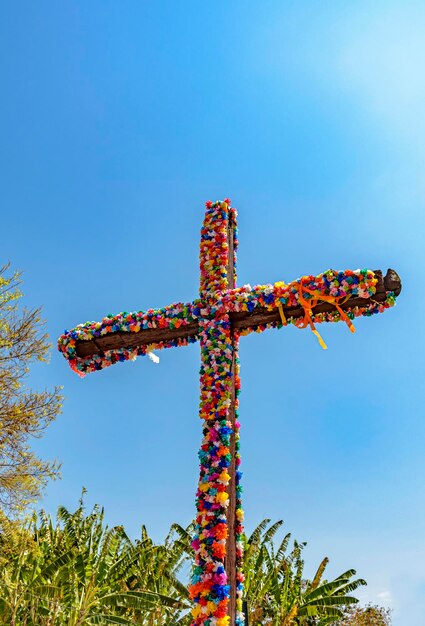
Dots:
pixel 118 120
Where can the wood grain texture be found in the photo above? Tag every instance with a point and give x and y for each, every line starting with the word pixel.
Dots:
pixel 230 560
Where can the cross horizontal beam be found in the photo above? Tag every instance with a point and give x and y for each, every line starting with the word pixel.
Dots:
pixel 239 321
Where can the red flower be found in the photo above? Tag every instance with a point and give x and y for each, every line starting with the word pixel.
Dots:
pixel 219 550
pixel 220 531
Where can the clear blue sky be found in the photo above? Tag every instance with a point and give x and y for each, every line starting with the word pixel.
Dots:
pixel 118 120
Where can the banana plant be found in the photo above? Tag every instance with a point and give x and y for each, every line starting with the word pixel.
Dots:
pixel 80 572
pixel 276 592
pixel 75 571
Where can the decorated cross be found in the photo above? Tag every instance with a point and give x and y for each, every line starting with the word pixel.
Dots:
pixel 217 319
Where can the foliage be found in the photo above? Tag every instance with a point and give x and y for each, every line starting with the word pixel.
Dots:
pixel 23 413
pixel 75 570
pixel 276 592
pixel 366 616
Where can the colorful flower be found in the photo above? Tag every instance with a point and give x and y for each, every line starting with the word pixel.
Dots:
pixel 220 381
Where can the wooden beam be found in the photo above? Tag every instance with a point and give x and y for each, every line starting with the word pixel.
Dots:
pixel 85 349
pixel 391 282
pixel 113 341
pixel 230 560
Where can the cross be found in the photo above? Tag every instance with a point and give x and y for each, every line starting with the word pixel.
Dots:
pixel 217 319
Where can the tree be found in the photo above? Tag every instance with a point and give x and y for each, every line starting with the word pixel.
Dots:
pixel 75 571
pixel 24 413
pixel 366 616
pixel 276 592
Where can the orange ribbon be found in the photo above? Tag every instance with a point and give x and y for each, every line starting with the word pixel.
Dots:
pixel 308 305
pixel 281 313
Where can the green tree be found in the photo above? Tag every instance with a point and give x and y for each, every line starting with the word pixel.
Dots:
pixel 366 616
pixel 24 413
pixel 75 571
pixel 276 592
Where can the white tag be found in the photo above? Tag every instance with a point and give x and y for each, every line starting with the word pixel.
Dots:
pixel 153 357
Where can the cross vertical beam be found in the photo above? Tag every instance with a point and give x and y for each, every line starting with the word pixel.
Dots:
pixel 217 543
pixel 230 560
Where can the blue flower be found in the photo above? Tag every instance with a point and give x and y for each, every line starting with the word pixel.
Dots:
pixel 221 591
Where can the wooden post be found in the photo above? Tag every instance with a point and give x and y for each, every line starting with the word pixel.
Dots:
pixel 230 562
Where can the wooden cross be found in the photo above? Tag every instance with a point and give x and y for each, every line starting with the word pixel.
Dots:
pixel 217 319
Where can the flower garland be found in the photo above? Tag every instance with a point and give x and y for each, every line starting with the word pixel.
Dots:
pixel 214 249
pixel 170 317
pixel 210 589
pixel 332 287
pixel 338 285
